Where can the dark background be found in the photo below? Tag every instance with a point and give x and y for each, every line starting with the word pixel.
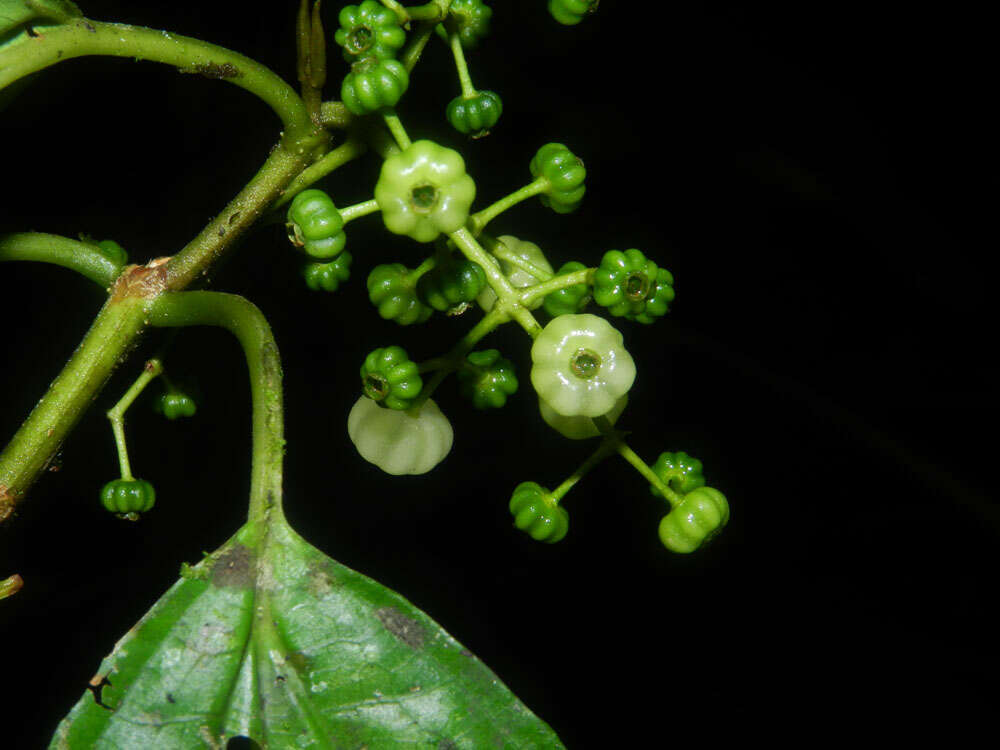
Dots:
pixel 818 185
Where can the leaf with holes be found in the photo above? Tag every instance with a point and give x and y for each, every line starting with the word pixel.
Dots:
pixel 267 638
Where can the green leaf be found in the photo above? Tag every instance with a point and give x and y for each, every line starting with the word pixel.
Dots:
pixel 268 638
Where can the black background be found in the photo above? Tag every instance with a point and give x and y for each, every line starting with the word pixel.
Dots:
pixel 818 185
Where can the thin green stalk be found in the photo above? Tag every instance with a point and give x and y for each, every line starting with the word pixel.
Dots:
pixel 508 298
pixel 396 128
pixel 347 151
pixel 500 251
pixel 247 323
pixel 481 218
pixel 415 46
pixel 358 210
pixel 461 67
pixel 116 414
pixel 82 37
pixel 434 11
pixel 451 361
pixel 606 448
pixel 426 265
pixel 538 291
pixel 81 257
pixel 629 455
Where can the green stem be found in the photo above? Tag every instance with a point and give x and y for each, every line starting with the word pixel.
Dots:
pixel 109 339
pixel 10 586
pixel 456 356
pixel 415 46
pixel 500 251
pixel 461 67
pixel 247 323
pixel 51 248
pixel 83 37
pixel 629 455
pixel 335 115
pixel 508 298
pixel 358 210
pixel 434 11
pixel 481 218
pixel 396 128
pixel 349 150
pixel 554 284
pixel 413 276
pixel 116 414
pixel 606 448
pixel 397 8
pixel 284 163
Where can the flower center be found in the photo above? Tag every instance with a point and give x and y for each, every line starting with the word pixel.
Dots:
pixel 376 388
pixel 585 364
pixel 636 286
pixel 423 198
pixel 359 40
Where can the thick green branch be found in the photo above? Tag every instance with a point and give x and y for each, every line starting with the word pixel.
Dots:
pixel 284 164
pixel 61 251
pixel 247 323
pixel 107 342
pixel 83 37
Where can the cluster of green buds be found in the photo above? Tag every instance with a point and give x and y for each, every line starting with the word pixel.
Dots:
pixel 581 370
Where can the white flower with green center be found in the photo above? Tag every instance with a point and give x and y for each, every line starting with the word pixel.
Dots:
pixel 580 365
pixel 423 191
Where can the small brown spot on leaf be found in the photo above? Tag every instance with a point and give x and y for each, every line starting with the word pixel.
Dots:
pixel 234 568
pixel 406 629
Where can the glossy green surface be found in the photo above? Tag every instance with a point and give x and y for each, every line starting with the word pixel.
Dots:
pixel 487 379
pixel 315 224
pixel 475 115
pixel 569 391
pixel 658 302
pixel 392 291
pixel 273 641
pixel 518 277
pixel 374 83
pixel 127 496
pixel 566 176
pixel 369 30
pixel 113 252
pixel 578 428
pixel 452 283
pixel 391 378
pixel 571 12
pixel 327 277
pixel 571 299
pixel 700 516
pixel 470 19
pixel 624 281
pixel 400 442
pixel 175 405
pixel 679 471
pixel 537 515
pixel 423 191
